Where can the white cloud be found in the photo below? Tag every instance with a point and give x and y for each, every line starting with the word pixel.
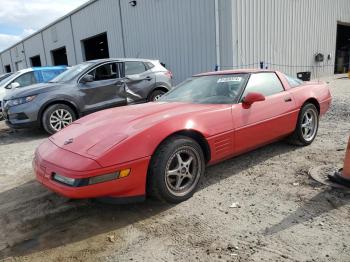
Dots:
pixel 35 13
pixel 31 15
pixel 7 40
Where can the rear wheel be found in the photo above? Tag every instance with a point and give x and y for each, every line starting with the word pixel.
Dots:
pixel 155 95
pixel 176 169
pixel 57 117
pixel 307 126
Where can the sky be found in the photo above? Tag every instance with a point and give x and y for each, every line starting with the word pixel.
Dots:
pixel 20 18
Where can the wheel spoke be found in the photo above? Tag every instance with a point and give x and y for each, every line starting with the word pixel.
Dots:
pixel 179 159
pixel 174 172
pixel 188 162
pixel 179 180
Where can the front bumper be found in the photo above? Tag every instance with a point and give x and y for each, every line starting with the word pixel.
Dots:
pixel 21 116
pixel 50 159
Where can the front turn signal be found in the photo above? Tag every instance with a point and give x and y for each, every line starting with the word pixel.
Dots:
pixel 124 173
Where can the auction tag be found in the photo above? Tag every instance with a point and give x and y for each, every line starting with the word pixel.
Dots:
pixel 230 79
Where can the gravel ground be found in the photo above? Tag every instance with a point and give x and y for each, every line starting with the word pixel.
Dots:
pixel 280 214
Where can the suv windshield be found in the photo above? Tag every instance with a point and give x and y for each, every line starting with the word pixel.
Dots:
pixel 213 89
pixel 70 73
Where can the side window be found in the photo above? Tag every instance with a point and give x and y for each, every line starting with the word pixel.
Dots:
pixel 105 72
pixel 133 68
pixel 25 79
pixel 293 82
pixel 50 74
pixel 149 65
pixel 264 83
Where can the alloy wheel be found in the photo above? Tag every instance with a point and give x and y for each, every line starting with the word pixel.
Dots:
pixel 60 119
pixel 182 171
pixel 309 124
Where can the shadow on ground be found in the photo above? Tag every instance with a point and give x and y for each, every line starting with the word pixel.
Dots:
pixel 9 136
pixel 321 203
pixel 34 219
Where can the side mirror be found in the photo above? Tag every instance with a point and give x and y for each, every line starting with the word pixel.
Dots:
pixel 13 85
pixel 87 78
pixel 251 98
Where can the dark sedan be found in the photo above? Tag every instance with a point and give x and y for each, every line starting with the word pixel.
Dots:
pixel 86 88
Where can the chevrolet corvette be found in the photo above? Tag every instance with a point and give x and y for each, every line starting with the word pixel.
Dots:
pixel 162 148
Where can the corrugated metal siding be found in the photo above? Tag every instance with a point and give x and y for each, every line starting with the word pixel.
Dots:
pixel 57 36
pixel 288 32
pixel 34 46
pixel 99 17
pixel 226 33
pixel 179 33
pixel 6 60
pixel 182 33
pixel 18 57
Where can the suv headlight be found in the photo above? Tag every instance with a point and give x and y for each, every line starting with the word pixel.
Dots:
pixel 19 101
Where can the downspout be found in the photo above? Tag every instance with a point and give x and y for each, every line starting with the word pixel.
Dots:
pixel 217 33
pixel 24 54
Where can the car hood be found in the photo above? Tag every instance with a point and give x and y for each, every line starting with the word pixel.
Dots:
pixel 97 133
pixel 31 90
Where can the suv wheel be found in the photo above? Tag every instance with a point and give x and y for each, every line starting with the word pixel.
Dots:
pixel 57 117
pixel 155 95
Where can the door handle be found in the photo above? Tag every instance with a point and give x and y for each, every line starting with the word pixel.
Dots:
pixel 288 99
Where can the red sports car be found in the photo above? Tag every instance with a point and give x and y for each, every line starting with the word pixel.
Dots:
pixel 162 148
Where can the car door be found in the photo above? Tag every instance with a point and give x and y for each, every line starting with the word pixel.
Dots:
pixel 106 90
pixel 264 121
pixel 140 81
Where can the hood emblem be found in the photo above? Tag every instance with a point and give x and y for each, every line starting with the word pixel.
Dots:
pixel 69 141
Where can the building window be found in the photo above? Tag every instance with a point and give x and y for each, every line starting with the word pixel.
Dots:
pixel 59 56
pixel 35 61
pixel 96 47
pixel 7 68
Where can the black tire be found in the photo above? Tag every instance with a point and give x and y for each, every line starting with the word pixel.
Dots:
pixel 155 95
pixel 297 138
pixel 48 113
pixel 158 183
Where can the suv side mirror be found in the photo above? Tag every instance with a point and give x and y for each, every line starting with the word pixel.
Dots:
pixel 87 78
pixel 251 98
pixel 13 85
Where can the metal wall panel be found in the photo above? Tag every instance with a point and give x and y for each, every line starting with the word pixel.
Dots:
pixel 226 33
pixel 288 33
pixel 6 60
pixel 96 18
pixel 18 57
pixel 57 36
pixel 34 46
pixel 179 33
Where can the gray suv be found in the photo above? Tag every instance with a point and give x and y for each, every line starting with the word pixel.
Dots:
pixel 86 88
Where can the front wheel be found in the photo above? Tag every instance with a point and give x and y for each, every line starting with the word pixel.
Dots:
pixel 307 126
pixel 176 169
pixel 57 117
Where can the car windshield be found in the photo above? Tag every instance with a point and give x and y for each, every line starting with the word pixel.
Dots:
pixel 70 73
pixel 212 89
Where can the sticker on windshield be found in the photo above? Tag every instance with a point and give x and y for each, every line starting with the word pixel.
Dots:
pixel 230 79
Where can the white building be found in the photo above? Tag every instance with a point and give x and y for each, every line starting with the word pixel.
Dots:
pixel 192 36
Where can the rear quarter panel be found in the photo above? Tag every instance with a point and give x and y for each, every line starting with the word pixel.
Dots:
pixel 313 90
